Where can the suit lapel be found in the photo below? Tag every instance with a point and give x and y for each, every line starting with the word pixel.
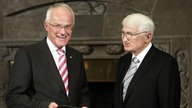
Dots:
pixel 124 67
pixel 126 64
pixel 50 64
pixel 70 60
pixel 143 68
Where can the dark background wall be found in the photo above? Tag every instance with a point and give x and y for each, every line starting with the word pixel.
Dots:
pixel 96 34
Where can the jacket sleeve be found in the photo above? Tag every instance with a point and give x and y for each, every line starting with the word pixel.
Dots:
pixel 169 85
pixel 20 91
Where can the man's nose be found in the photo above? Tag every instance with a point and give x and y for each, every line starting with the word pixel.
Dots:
pixel 63 30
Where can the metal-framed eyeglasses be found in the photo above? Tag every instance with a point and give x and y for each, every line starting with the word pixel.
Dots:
pixel 129 34
pixel 58 27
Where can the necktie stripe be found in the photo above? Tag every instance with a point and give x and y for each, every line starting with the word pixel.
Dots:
pixel 62 61
pixel 131 71
pixel 65 79
pixel 126 86
pixel 132 67
pixel 62 67
pixel 64 73
pixel 129 75
pixel 61 57
pixel 67 89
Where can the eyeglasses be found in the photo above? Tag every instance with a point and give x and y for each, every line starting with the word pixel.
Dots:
pixel 58 27
pixel 129 34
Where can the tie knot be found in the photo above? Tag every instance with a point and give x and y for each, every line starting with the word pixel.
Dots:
pixel 60 51
pixel 136 60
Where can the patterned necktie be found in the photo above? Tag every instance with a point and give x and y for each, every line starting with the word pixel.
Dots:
pixel 129 75
pixel 62 67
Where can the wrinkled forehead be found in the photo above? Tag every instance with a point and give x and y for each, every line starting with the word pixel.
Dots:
pixel 129 28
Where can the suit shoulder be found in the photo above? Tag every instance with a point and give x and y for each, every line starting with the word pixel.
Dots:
pixel 164 55
pixel 31 46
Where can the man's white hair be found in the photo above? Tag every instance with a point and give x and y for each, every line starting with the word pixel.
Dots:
pixel 58 5
pixel 140 21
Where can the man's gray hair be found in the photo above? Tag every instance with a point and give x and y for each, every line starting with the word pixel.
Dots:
pixel 140 21
pixel 57 5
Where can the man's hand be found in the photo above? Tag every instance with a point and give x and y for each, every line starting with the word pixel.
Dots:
pixel 53 105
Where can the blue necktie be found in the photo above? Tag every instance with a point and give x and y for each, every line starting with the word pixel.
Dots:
pixel 129 75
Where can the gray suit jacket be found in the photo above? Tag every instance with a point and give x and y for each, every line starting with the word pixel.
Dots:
pixel 35 80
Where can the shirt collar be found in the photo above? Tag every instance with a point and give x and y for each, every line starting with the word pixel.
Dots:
pixel 141 55
pixel 52 47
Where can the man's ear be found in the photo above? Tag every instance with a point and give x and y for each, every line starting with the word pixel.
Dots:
pixel 148 37
pixel 46 26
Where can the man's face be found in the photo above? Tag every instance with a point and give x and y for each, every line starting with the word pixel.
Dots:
pixel 133 40
pixel 59 28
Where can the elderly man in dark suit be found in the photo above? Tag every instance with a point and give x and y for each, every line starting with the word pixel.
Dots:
pixel 146 77
pixel 43 77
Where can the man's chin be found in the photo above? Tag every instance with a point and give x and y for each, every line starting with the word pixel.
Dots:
pixel 127 49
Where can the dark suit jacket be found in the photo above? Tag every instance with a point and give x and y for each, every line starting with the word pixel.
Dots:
pixel 156 84
pixel 35 80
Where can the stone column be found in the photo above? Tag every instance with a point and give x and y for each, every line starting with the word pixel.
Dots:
pixel 4 75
